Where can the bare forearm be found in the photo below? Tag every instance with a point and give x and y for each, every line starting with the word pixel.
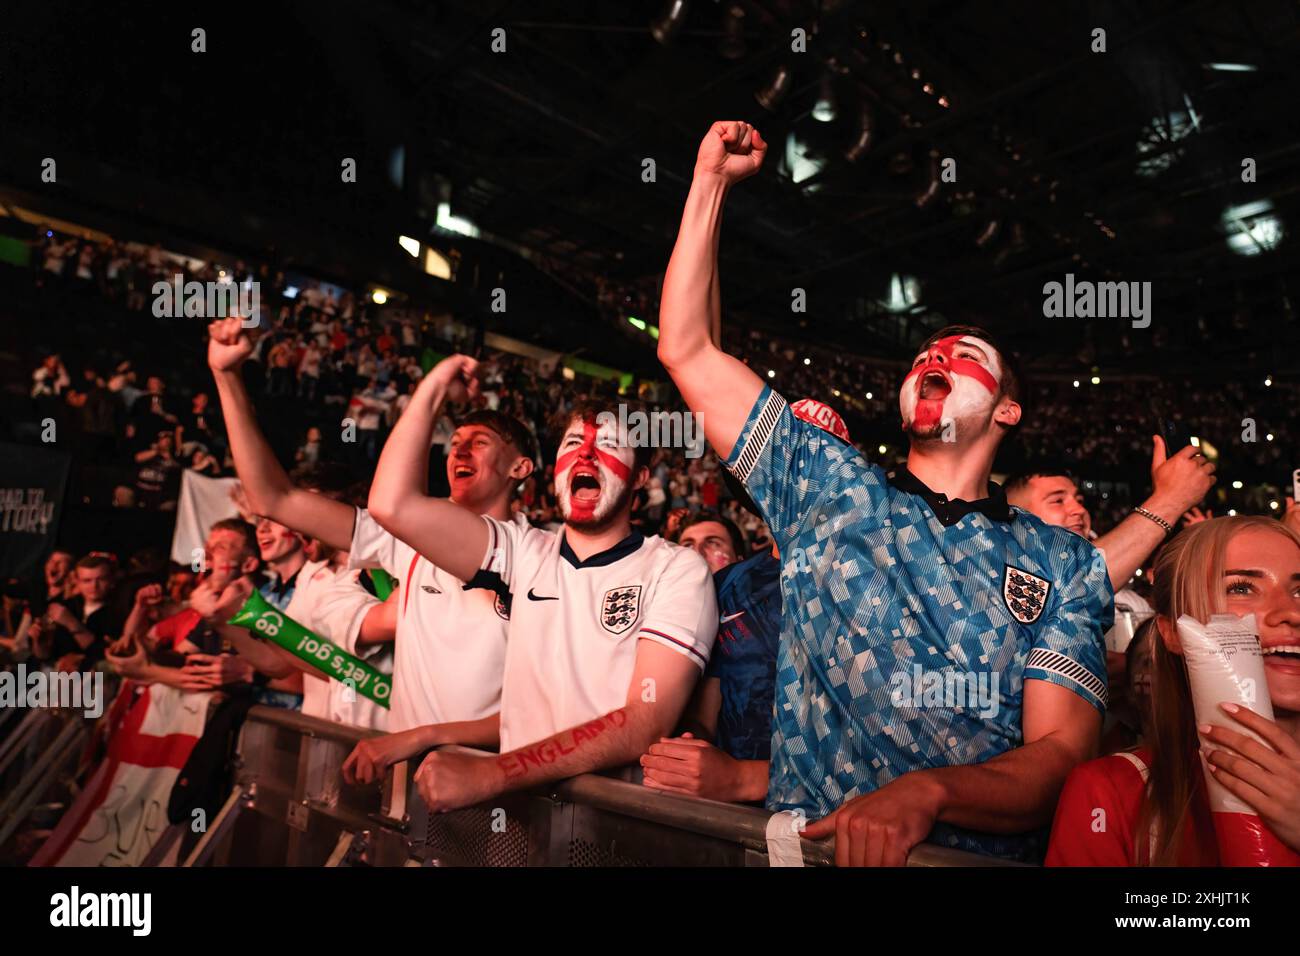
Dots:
pixel 83 637
pixel 265 482
pixel 268 488
pixel 719 388
pixel 1133 540
pixel 701 715
pixel 617 738
pixel 691 300
pixel 715 292
pixel 292 662
pixel 402 474
pixel 484 732
pixel 262 657
pixel 750 784
pixel 137 623
pixel 1012 793
pixel 448 535
pixel 158 674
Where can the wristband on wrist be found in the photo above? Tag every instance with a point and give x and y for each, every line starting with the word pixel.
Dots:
pixel 1151 515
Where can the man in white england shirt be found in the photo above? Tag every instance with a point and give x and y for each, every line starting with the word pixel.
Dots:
pixel 609 631
pixel 450 642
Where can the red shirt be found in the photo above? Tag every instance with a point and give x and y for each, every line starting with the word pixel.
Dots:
pixel 709 494
pixel 1097 817
pixel 172 630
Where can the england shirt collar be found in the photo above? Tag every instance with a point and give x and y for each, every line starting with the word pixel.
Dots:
pixel 281 588
pixel 951 510
pixel 621 550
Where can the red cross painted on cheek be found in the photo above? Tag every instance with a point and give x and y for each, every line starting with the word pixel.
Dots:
pixel 588 449
pixel 959 366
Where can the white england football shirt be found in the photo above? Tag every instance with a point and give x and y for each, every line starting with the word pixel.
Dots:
pixel 314 577
pixel 575 625
pixel 337 618
pixel 451 643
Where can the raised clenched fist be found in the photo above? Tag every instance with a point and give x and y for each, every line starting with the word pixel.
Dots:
pixel 228 344
pixel 731 149
pixel 149 595
pixel 457 376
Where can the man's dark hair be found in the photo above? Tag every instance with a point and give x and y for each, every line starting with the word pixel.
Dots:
pixel 95 561
pixel 240 527
pixel 508 428
pixel 705 515
pixel 1013 375
pixel 326 478
pixel 589 410
pixel 1019 480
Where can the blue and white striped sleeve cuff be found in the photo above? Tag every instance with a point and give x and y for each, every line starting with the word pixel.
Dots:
pixel 1056 668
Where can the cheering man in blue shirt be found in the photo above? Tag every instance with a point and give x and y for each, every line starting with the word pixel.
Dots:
pixel 941 666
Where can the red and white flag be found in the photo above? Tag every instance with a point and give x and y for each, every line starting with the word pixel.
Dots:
pixel 123 810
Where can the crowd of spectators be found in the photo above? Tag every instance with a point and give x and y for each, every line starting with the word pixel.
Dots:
pixel 341 370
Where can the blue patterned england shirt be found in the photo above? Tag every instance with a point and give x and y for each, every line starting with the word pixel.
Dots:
pixel 911 622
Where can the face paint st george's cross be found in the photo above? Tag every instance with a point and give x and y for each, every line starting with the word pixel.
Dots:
pixel 969 384
pixel 601 457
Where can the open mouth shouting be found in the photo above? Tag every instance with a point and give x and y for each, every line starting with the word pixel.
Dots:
pixel 933 385
pixel 956 378
pixel 585 485
pixel 593 473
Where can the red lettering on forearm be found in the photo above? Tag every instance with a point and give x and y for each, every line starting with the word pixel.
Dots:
pixel 515 764
pixel 529 754
pixel 510 765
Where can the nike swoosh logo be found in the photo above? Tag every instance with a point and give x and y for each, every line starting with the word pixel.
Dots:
pixel 534 597
pixel 731 617
pixel 429 589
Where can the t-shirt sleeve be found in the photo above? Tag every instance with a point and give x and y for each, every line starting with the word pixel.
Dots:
pixel 374 547
pixel 510 546
pixel 683 613
pixel 785 463
pixel 1070 648
pixel 339 611
pixel 1096 815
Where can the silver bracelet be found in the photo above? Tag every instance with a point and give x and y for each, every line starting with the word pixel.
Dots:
pixel 1154 517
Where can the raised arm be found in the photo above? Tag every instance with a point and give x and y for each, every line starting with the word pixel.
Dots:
pixel 267 487
pixel 447 534
pixel 140 621
pixel 722 389
pixel 1178 483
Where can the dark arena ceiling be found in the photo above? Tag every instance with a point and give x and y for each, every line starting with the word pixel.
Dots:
pixel 1124 165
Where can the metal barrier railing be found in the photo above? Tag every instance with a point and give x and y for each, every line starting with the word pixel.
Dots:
pixel 50 740
pixel 291 806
